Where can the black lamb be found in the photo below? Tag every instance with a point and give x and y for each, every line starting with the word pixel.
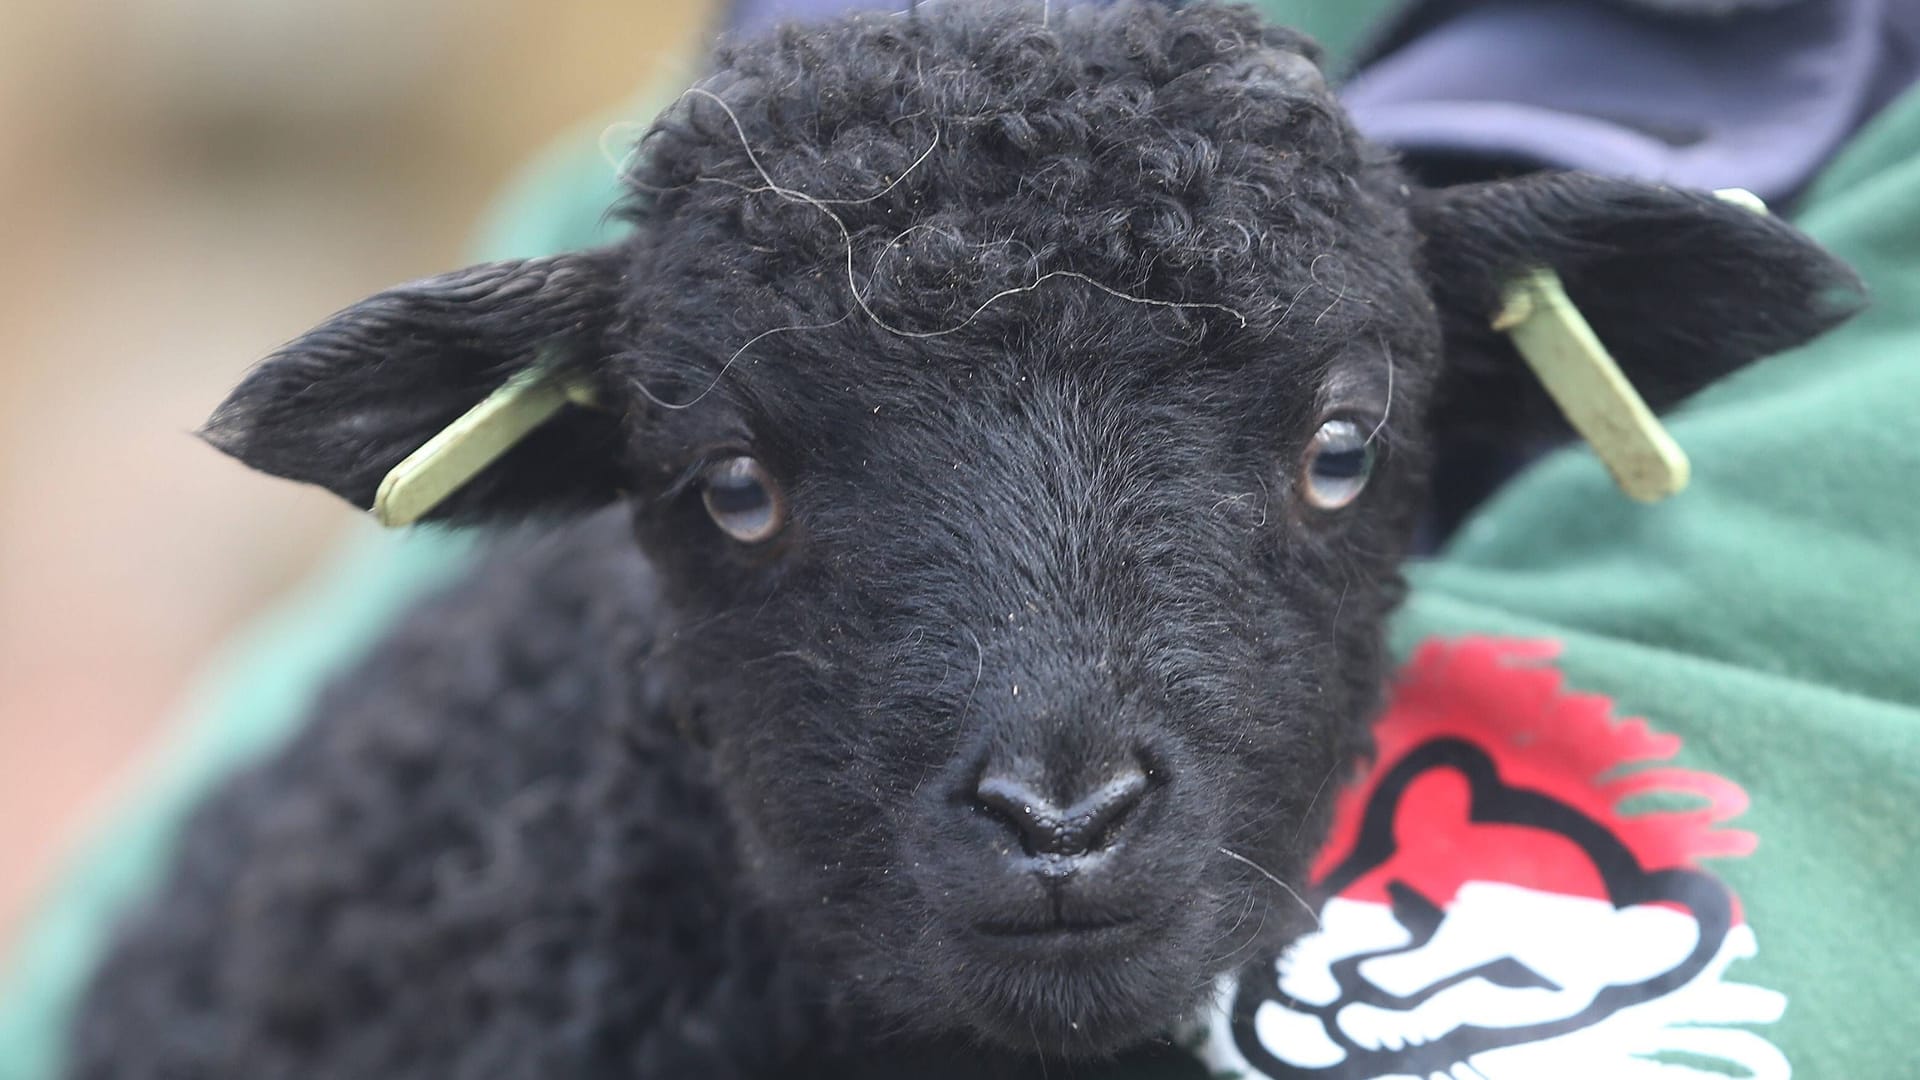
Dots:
pixel 933 651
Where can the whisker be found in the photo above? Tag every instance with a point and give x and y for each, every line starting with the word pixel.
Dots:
pixel 1386 410
pixel 1315 801
pixel 1288 889
pixel 728 366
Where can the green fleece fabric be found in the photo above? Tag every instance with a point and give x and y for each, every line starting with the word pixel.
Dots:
pixel 1769 618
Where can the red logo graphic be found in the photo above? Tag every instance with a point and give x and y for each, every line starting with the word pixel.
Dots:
pixel 1497 906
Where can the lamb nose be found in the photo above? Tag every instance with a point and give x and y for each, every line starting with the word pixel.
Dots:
pixel 1048 829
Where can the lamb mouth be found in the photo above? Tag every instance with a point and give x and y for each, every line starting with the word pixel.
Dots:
pixel 1059 929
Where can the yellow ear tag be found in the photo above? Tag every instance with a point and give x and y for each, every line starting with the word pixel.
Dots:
pixel 452 458
pixel 1587 384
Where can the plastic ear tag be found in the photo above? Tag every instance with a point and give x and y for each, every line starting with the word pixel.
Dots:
pixel 1587 384
pixel 452 458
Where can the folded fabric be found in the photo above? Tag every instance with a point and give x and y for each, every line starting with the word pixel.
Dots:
pixel 1760 97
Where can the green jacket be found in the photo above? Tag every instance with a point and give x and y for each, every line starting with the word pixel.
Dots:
pixel 1723 889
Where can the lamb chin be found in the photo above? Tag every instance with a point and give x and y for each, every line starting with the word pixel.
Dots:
pixel 1082 1014
pixel 1073 999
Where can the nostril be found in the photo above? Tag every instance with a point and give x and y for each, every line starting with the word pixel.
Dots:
pixel 1045 828
pixel 1113 801
pixel 1040 825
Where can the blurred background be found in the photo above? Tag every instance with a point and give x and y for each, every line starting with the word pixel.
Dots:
pixel 186 184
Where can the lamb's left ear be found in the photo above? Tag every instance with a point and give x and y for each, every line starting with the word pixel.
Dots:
pixel 1681 286
pixel 344 403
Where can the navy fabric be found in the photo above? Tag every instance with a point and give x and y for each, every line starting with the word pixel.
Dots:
pixel 1759 99
pixel 749 16
pixel 1700 93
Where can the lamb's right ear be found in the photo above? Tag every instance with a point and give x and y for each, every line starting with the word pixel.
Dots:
pixel 1681 286
pixel 346 402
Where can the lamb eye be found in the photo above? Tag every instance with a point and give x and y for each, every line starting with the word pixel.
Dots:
pixel 1337 465
pixel 743 500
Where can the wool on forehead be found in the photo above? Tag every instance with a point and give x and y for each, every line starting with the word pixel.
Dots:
pixel 940 169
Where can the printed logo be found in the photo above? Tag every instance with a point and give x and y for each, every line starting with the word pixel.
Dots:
pixel 1497 907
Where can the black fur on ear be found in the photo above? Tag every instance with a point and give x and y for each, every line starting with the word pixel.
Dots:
pixel 341 405
pixel 1681 286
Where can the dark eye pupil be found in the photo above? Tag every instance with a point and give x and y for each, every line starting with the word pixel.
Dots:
pixel 1341 464
pixel 1338 464
pixel 742 499
pixel 736 496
